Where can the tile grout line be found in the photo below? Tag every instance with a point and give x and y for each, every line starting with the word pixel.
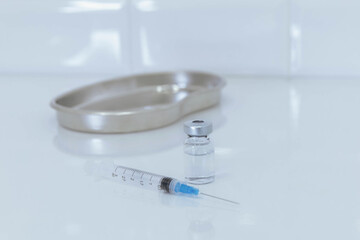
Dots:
pixel 289 39
pixel 129 37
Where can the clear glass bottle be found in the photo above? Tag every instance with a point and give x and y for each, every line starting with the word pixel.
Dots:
pixel 199 152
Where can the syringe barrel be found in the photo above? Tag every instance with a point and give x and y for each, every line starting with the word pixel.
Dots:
pixel 137 177
pixel 152 181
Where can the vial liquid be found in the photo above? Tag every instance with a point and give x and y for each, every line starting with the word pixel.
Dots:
pixel 199 153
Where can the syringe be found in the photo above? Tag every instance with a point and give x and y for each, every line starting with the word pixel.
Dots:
pixel 157 182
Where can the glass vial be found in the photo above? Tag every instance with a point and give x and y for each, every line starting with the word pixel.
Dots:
pixel 199 152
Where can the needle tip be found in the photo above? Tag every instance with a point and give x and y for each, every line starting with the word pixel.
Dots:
pixel 226 200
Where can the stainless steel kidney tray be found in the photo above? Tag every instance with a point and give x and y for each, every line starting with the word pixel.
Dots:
pixel 137 103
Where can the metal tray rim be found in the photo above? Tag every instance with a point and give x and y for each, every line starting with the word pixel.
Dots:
pixel 59 107
pixel 199 95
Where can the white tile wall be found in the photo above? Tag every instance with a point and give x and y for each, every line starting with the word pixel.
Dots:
pixel 227 36
pixel 325 37
pixel 64 36
pixel 117 37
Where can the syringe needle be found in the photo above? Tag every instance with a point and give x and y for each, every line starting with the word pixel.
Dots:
pixel 219 198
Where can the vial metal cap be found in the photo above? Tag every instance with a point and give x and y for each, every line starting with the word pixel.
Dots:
pixel 198 128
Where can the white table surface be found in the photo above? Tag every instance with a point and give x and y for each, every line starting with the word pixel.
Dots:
pixel 287 151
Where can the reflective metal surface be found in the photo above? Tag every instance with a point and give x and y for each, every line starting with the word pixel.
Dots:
pixel 137 103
